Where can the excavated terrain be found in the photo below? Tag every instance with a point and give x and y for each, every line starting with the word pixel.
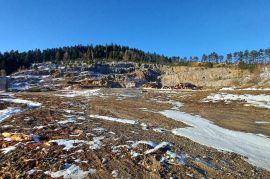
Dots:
pixel 120 133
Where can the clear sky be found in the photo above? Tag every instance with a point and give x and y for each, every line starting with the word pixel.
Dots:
pixel 169 27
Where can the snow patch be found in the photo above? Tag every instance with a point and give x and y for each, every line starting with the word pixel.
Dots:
pixel 244 89
pixel 69 120
pixel 179 158
pixel 69 144
pixel 72 172
pixel 29 104
pixel 150 143
pixel 71 94
pixel 262 122
pixel 99 129
pixel 160 130
pixel 107 118
pixel 8 149
pixel 261 101
pixel 6 113
pixel 176 104
pixel 256 148
pixel 162 145
pixel 227 89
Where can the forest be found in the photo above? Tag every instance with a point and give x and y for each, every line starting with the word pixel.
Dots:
pixel 13 60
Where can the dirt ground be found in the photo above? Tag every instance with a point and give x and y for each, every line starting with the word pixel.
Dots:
pixel 235 116
pixel 114 150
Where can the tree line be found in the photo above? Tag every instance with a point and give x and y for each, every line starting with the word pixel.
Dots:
pixel 13 60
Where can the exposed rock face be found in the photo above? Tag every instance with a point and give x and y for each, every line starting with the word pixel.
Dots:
pixel 129 75
pixel 200 76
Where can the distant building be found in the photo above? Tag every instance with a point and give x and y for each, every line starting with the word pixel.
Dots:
pixel 3 83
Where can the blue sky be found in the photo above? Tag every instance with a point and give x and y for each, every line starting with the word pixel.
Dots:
pixel 173 27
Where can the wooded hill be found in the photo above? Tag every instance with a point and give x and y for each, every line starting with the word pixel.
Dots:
pixel 14 60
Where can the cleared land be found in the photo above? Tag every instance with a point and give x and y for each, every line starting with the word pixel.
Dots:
pixel 122 133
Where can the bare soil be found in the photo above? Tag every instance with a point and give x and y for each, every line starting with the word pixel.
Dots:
pixel 114 158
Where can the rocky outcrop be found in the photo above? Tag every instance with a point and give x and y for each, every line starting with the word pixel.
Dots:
pixel 200 76
pixel 129 75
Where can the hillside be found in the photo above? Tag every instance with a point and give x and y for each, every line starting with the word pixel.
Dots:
pixel 12 61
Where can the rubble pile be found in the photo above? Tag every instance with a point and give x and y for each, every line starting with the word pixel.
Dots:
pixel 183 86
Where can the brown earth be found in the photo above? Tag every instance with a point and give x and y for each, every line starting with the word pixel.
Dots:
pixel 114 158
pixel 233 116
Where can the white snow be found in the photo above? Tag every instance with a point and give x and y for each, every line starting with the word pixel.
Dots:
pixel 108 118
pixel 69 144
pixel 262 100
pixel 99 129
pixel 150 143
pixel 96 142
pixel 69 120
pixel 19 87
pixel 161 145
pixel 115 173
pixel 176 104
pixel 8 149
pixel 72 172
pixel 71 94
pixel 115 148
pixel 256 148
pixel 39 127
pixel 256 89
pixel 145 126
pixel 262 122
pixel 30 172
pixel 6 126
pixel 244 89
pixel 160 130
pixel 30 104
pixel 6 113
pixel 227 89
pixel 179 158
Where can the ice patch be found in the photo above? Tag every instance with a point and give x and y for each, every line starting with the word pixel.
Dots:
pixel 107 118
pixel 256 148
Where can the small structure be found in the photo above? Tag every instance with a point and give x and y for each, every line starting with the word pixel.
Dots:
pixel 3 83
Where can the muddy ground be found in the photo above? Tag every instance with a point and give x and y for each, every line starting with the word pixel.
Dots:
pixel 106 149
